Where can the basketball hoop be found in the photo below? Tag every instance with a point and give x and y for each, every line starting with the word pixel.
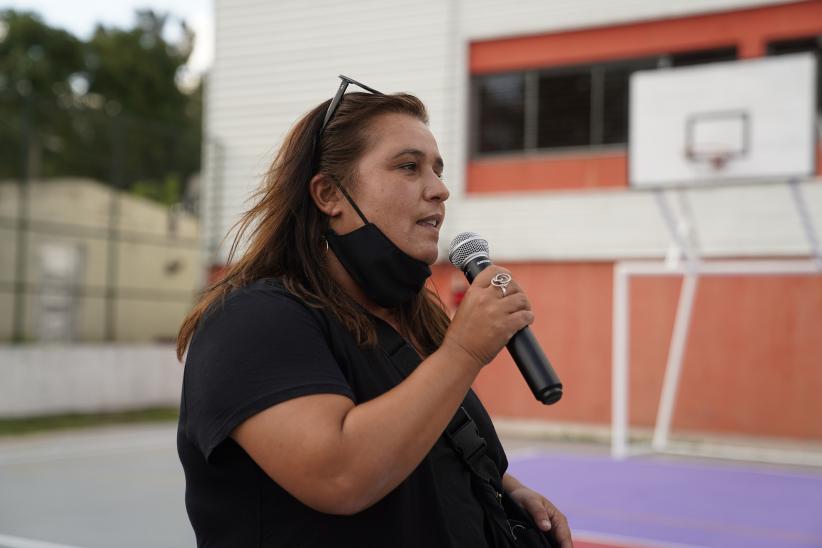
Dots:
pixel 717 157
pixel 715 137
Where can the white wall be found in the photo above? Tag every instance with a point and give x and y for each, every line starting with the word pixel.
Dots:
pixel 275 60
pixel 41 380
pixel 738 221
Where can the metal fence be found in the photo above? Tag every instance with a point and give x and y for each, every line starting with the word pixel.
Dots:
pixel 99 238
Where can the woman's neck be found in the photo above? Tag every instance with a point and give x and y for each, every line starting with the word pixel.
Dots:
pixel 353 290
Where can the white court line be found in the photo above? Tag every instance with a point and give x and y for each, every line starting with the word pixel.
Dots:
pixel 20 542
pixel 99 448
pixel 627 542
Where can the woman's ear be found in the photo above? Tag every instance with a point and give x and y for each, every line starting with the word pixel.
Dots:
pixel 325 194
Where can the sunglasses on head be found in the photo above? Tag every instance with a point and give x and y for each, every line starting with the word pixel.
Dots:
pixel 335 102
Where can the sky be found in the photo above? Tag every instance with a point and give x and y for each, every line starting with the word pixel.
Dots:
pixel 80 17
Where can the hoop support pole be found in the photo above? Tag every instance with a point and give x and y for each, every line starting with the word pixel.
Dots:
pixel 673 368
pixel 805 219
pixel 619 365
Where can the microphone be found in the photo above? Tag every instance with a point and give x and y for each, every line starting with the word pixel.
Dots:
pixel 469 252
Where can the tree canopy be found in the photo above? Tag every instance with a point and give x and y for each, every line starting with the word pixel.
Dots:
pixel 109 107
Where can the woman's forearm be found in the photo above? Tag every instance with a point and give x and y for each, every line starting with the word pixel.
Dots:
pixel 384 439
pixel 510 483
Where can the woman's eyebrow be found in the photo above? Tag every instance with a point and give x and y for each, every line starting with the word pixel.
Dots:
pixel 417 152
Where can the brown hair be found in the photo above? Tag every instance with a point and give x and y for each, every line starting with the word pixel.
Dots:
pixel 285 227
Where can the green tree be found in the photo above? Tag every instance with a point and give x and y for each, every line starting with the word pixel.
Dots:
pixel 108 108
pixel 35 58
pixel 158 132
pixel 37 64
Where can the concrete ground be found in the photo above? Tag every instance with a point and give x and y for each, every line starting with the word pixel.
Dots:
pixel 116 486
pixel 123 486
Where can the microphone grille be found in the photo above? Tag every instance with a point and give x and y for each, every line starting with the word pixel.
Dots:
pixel 466 246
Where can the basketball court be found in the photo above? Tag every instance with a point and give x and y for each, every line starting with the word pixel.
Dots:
pixel 124 487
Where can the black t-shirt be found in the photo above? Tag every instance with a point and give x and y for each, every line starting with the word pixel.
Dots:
pixel 262 346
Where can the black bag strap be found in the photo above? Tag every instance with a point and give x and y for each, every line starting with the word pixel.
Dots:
pixel 461 431
pixel 486 481
pixel 464 436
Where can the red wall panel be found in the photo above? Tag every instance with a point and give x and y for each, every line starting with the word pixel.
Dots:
pixel 752 365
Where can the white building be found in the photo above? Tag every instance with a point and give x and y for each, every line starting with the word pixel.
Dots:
pixel 529 103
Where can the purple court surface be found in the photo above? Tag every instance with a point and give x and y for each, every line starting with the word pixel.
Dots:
pixel 655 501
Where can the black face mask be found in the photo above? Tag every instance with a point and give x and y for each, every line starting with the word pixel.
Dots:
pixel 386 274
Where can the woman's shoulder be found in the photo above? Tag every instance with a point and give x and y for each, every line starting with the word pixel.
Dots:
pixel 263 299
pixel 264 292
pixel 256 315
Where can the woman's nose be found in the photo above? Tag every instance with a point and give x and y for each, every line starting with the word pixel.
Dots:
pixel 437 190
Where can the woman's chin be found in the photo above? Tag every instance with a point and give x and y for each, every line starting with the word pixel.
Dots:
pixel 426 253
pixel 430 257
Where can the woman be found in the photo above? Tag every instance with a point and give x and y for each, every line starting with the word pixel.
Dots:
pixel 321 374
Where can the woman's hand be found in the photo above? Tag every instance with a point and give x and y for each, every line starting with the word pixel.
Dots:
pixel 542 510
pixel 487 318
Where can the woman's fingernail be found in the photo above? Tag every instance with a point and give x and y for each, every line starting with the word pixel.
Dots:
pixel 545 524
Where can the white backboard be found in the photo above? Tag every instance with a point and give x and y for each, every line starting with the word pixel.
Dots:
pixel 738 120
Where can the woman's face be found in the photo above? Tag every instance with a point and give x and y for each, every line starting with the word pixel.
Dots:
pixel 399 187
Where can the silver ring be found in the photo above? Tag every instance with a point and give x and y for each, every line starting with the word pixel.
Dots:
pixel 501 280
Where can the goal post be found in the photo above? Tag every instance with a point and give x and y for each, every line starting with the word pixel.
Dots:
pixel 624 272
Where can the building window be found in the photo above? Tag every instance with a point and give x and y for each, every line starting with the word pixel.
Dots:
pixel 553 109
pixel 564 110
pixel 501 112
pixel 812 44
pixel 614 80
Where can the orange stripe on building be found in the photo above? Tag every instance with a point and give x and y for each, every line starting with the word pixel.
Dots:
pixel 554 171
pixel 750 30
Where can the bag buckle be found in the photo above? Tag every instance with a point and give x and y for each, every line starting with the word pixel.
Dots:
pixel 466 437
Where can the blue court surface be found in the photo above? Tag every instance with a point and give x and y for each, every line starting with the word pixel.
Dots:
pixel 656 501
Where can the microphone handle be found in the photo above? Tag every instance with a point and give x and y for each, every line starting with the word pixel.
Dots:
pixel 526 351
pixel 475 266
pixel 534 366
